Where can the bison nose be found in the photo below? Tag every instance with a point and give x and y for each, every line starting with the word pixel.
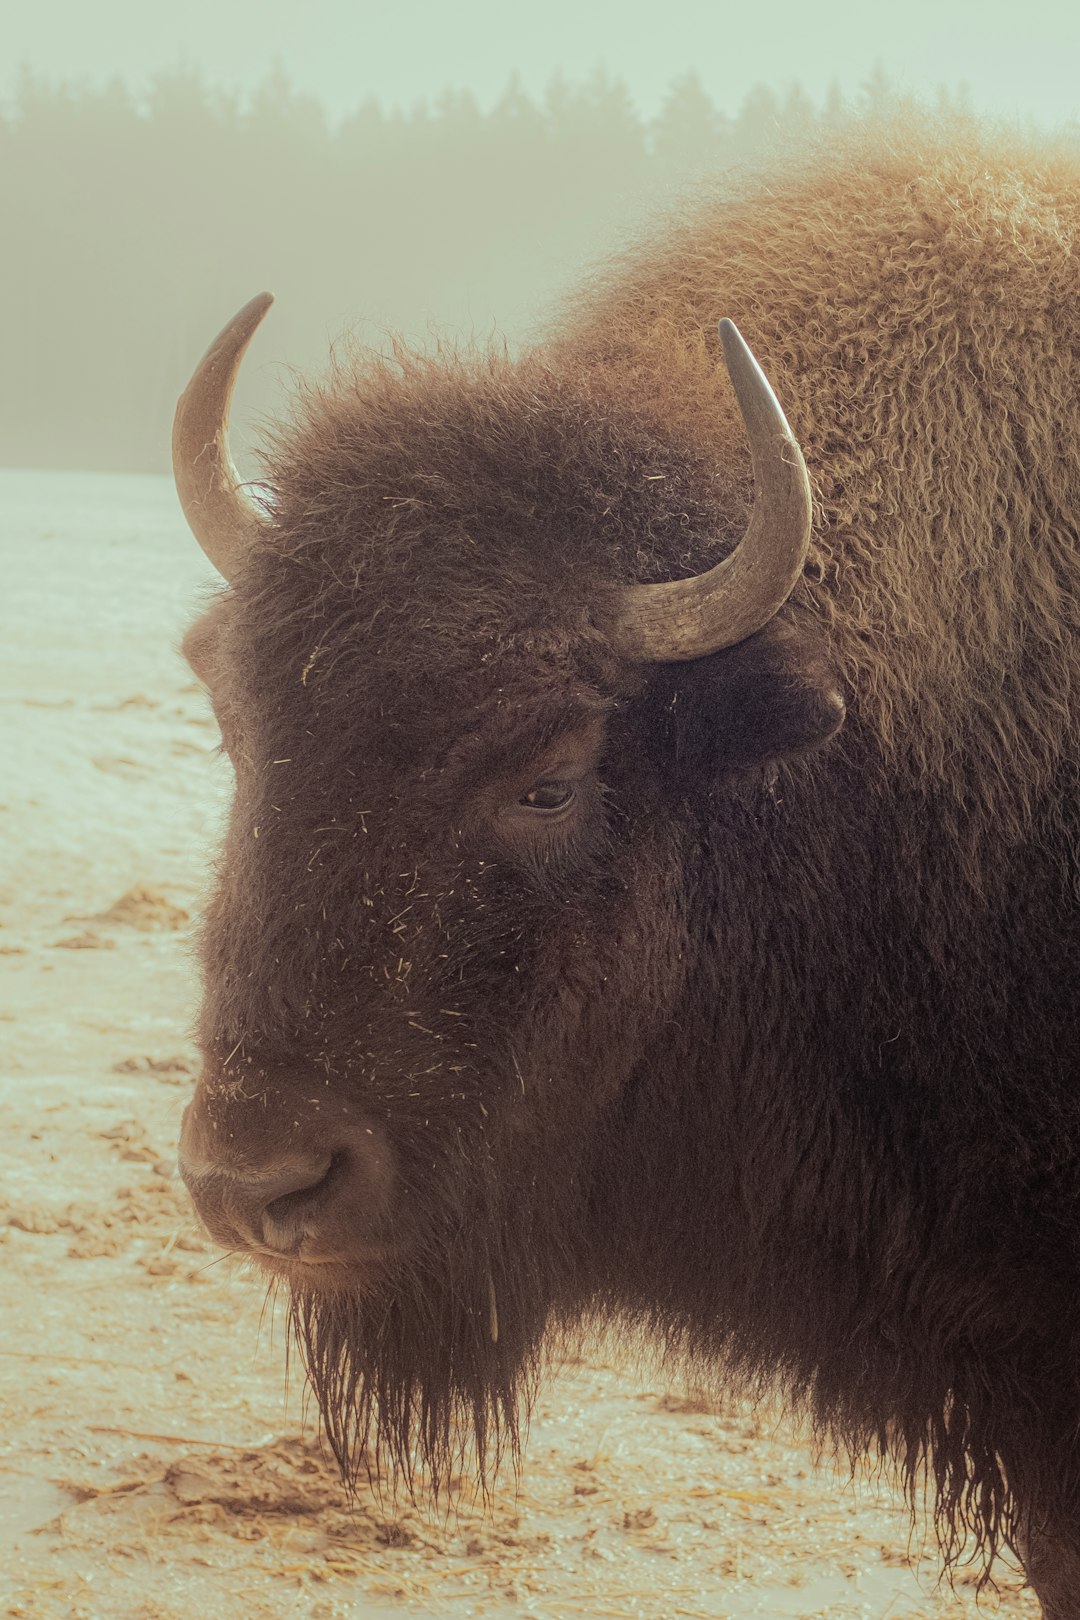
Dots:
pixel 271 1209
pixel 312 1185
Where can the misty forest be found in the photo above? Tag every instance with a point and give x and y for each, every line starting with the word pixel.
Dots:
pixel 135 225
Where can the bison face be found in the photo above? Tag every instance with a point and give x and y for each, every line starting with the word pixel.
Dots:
pixel 450 934
pixel 418 1006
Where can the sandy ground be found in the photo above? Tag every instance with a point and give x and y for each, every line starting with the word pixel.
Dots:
pixel 152 1464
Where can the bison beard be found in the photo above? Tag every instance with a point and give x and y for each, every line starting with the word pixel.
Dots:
pixel 435 1367
pixel 410 1372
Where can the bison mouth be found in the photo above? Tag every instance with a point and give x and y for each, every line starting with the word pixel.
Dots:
pixel 312 1270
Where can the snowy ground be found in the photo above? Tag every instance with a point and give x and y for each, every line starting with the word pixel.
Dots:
pixel 151 1466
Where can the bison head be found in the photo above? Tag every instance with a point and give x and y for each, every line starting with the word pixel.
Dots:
pixel 476 730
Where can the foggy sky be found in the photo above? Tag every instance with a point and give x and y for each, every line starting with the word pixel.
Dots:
pixel 1020 60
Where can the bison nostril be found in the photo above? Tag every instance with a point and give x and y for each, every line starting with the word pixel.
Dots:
pixel 259 1206
pixel 294 1201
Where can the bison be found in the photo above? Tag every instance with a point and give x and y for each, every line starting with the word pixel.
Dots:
pixel 651 888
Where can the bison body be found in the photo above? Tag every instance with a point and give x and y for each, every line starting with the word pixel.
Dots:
pixel 544 981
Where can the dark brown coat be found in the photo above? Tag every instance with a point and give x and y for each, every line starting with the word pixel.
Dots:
pixel 772 1046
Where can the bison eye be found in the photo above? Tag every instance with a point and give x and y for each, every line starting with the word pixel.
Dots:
pixel 549 796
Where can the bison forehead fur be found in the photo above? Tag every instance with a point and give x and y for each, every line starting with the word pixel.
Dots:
pixel 768 1038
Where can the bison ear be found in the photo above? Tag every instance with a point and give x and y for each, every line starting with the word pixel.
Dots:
pixel 765 700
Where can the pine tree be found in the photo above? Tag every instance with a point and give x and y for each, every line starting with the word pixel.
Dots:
pixel 689 133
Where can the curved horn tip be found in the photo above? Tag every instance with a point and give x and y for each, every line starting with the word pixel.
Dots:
pixel 238 332
pixel 744 369
pixel 256 307
pixel 690 618
pixel 734 345
pixel 221 515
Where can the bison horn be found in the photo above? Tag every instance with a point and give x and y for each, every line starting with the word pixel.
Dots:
pixel 223 519
pixel 688 618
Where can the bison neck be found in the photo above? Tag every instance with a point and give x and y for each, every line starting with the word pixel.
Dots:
pixel 833 1166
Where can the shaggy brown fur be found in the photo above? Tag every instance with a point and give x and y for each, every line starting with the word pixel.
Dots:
pixel 774 1048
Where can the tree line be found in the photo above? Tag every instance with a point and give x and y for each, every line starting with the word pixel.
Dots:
pixel 133 225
